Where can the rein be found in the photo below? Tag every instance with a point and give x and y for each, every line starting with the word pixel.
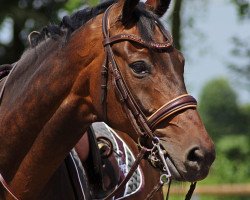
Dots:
pixel 143 126
pixel 6 187
pixel 3 182
pixel 5 82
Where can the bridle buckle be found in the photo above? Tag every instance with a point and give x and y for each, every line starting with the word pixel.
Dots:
pixel 161 154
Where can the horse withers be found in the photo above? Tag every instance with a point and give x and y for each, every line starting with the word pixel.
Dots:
pixel 113 63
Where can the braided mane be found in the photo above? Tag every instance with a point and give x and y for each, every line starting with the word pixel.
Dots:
pixel 145 22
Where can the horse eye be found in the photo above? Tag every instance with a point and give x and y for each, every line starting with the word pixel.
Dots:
pixel 140 67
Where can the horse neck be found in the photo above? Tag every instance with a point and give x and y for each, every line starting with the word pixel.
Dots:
pixel 47 125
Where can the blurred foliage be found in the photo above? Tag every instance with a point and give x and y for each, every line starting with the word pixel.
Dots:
pixel 232 165
pixel 233 152
pixel 243 7
pixel 72 5
pixel 227 122
pixel 25 16
pixel 220 111
pixel 177 23
pixel 242 45
pixel 245 110
pixel 242 50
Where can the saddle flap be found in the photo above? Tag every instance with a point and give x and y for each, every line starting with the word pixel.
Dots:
pixel 101 165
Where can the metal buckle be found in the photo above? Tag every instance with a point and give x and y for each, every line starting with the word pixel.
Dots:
pixel 157 145
pixel 164 179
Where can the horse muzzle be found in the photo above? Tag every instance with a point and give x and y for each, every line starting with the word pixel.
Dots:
pixel 192 165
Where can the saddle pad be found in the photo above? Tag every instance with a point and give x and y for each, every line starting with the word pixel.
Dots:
pixel 78 176
pixel 123 155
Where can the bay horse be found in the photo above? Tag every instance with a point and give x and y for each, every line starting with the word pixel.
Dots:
pixel 114 63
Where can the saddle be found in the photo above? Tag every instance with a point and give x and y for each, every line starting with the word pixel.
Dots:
pixel 108 163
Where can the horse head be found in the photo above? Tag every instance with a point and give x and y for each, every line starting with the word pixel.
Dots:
pixel 120 67
pixel 145 70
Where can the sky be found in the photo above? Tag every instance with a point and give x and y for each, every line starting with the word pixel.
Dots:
pixel 207 44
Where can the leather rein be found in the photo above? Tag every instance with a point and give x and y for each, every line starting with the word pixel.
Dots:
pixel 144 126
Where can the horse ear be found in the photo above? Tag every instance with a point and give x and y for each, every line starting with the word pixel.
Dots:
pixel 159 7
pixel 128 7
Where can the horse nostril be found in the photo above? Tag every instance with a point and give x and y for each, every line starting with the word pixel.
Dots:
pixel 198 160
pixel 195 154
pixel 195 158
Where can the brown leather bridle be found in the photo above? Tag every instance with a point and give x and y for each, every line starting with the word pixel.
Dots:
pixel 144 126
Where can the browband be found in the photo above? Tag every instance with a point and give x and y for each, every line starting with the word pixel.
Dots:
pixel 134 38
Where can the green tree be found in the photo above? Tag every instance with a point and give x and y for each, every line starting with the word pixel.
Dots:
pixel 245 110
pixel 219 109
pixel 243 8
pixel 242 50
pixel 177 23
pixel 228 123
pixel 233 159
pixel 231 165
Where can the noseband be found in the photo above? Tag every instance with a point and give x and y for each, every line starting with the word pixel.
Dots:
pixel 144 126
